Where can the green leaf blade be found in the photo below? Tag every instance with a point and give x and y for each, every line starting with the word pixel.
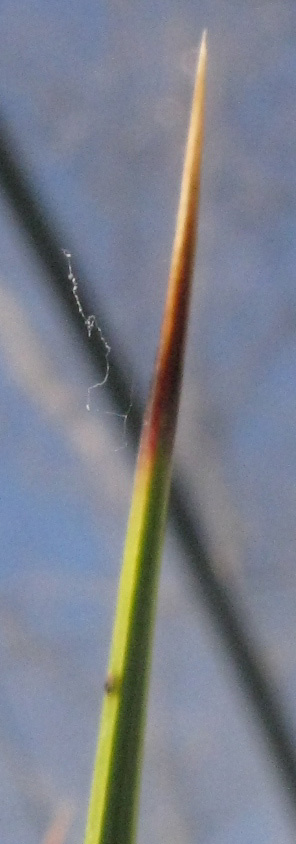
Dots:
pixel 114 797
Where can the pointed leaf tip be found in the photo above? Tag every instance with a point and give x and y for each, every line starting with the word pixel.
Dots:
pixel 162 411
pixel 204 38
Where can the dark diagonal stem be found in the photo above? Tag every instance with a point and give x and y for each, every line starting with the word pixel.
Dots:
pixel 44 238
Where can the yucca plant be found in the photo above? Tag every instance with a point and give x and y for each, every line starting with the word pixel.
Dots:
pixel 114 796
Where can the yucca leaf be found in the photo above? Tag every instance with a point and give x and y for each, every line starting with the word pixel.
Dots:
pixel 114 797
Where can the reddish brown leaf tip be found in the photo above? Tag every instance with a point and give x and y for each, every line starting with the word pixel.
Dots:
pixel 160 421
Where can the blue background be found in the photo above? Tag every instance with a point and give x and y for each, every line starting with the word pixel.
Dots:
pixel 97 96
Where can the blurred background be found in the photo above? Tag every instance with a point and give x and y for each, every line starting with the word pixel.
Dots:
pixel 96 100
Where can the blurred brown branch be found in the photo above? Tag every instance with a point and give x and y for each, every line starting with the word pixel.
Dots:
pixel 59 828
